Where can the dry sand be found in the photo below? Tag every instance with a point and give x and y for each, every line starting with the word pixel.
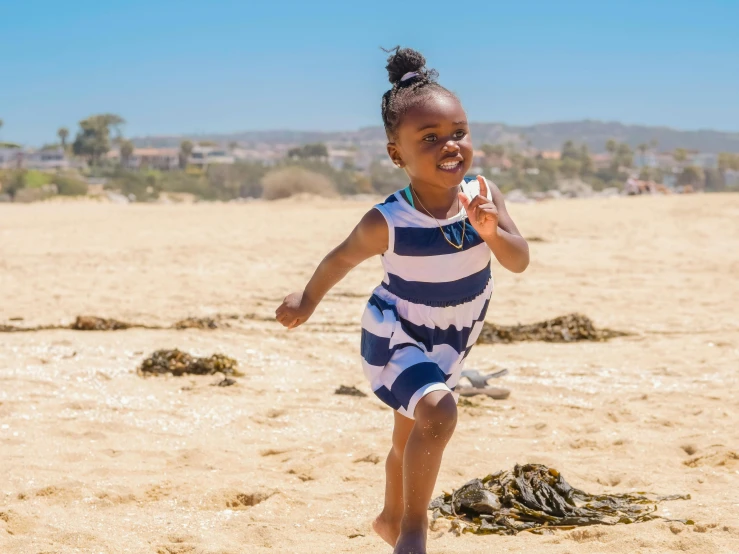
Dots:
pixel 93 458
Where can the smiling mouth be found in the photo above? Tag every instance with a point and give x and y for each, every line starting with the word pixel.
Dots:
pixel 450 165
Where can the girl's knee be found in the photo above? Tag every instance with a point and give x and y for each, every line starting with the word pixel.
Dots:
pixel 436 414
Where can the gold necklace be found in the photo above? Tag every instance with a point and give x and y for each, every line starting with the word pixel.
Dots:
pixel 443 234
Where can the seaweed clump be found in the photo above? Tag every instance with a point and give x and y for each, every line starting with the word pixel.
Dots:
pixel 179 363
pixel 197 323
pixel 93 323
pixel 567 328
pixel 350 391
pixel 536 498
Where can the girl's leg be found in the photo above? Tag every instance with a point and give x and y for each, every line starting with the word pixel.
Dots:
pixel 436 418
pixel 387 524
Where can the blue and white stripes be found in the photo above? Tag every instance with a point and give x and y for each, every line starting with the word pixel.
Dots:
pixel 421 322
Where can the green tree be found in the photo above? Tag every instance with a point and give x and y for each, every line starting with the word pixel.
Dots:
pixel 186 147
pixel 570 168
pixel 643 148
pixel 611 147
pixel 693 176
pixel 309 151
pixel 728 161
pixel 127 149
pixel 586 162
pixel 63 133
pixel 624 155
pixel 680 155
pixel 493 150
pixel 570 151
pixel 93 138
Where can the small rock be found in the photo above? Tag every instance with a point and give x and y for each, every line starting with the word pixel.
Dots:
pixel 349 391
pixel 676 528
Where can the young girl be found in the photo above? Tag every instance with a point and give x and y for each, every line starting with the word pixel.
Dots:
pixel 435 238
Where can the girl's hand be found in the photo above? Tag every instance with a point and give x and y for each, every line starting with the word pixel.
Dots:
pixel 294 310
pixel 482 213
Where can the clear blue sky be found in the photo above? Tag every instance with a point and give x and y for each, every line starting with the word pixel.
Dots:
pixel 184 67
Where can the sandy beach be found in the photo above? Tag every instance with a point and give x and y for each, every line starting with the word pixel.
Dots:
pixel 96 459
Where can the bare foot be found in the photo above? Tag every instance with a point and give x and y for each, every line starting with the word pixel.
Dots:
pixel 387 528
pixel 411 542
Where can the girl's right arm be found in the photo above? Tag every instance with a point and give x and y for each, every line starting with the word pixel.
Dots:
pixel 369 238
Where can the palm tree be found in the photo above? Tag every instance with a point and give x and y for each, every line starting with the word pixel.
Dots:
pixel 126 152
pixel 63 133
pixel 643 147
pixel 186 147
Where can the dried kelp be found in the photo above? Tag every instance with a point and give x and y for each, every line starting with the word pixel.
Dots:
pixel 93 323
pixel 198 323
pixel 350 391
pixel 568 328
pixel 179 363
pixel 536 498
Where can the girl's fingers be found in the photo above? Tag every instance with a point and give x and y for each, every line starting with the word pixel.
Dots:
pixel 483 186
pixel 463 199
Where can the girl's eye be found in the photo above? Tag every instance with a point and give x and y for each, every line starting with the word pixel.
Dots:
pixel 460 134
pixel 430 138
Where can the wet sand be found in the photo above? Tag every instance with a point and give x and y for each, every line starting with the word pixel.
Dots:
pixel 94 458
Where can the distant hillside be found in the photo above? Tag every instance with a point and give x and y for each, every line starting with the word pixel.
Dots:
pixel 544 136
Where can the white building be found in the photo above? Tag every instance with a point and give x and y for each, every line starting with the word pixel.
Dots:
pixel 202 156
pixel 19 158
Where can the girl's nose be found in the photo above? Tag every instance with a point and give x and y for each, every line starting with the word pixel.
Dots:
pixel 451 146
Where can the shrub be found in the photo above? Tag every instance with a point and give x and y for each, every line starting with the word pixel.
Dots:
pixel 283 183
pixel 37 179
pixel 69 186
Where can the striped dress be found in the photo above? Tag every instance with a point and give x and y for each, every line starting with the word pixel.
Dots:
pixel 422 321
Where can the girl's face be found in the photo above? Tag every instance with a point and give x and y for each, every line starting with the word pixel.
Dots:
pixel 433 141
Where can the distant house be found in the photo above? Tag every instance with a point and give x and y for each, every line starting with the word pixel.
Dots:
pixel 155 158
pixel 550 155
pixel 19 158
pixel 53 158
pixel 704 160
pixel 601 161
pixel 202 156
pixel 339 159
pixel 11 158
pixel 152 158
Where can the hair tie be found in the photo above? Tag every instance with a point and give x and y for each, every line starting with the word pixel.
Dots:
pixel 409 75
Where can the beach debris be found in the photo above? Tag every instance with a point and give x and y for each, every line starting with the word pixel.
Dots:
pixel 94 323
pixel 226 382
pixel 479 384
pixel 567 328
pixel 349 391
pixel 537 499
pixel 198 323
pixel 180 363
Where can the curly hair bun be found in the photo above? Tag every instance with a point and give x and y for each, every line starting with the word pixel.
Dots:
pixel 402 61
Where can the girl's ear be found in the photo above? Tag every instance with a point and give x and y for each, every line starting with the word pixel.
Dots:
pixel 392 151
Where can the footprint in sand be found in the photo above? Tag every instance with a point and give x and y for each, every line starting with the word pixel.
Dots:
pixel 716 456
